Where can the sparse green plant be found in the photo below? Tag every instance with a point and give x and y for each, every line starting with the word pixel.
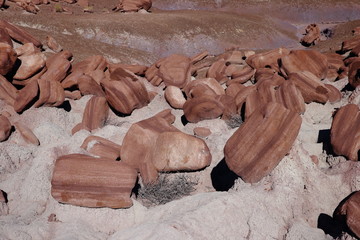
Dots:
pixel 169 187
pixel 234 121
pixel 58 7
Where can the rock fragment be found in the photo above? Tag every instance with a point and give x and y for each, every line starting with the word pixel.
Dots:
pixel 8 92
pixel 260 143
pixel 92 182
pixel 345 132
pixel 19 34
pixel 202 131
pixel 27 134
pixel 102 147
pixel 30 64
pixel 53 44
pixel 312 35
pixel 267 59
pixel 174 96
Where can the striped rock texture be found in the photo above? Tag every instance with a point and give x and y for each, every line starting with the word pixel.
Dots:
pixel 259 144
pixel 92 182
pixel 345 132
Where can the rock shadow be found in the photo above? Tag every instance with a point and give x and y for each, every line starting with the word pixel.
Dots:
pixel 325 138
pixel 222 177
pixel 66 106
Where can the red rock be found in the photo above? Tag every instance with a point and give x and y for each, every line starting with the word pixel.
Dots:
pixel 177 151
pixel 242 95
pixel 124 92
pixel 136 69
pixel 8 92
pixel 133 5
pixel 230 108
pixel 75 95
pixel 268 59
pixel 5 128
pixel 233 89
pixel 349 212
pixel 95 115
pixel 58 67
pixel 197 58
pixel 71 80
pixel 175 70
pixel 214 88
pixel 354 73
pixel 311 88
pixel 87 85
pixel 92 182
pixel 218 71
pixel 356 31
pixel 202 108
pixel 53 45
pixel 152 75
pixel 202 131
pixel 27 49
pixel 260 143
pixel 335 61
pixel 90 64
pixel 312 35
pixel 7 58
pixel 334 94
pixel 19 34
pixel 345 132
pixel 51 93
pixel 263 74
pixel 305 60
pixel 174 97
pixel 241 76
pixel 102 147
pixel 25 96
pixel 351 43
pixel 30 64
pixel 5 37
pixel 27 134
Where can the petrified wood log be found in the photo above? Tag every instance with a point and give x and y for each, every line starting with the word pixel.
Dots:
pixel 133 5
pixel 345 132
pixel 312 35
pixel 25 96
pixel 310 86
pixel 95 114
pixel 8 57
pixel 19 34
pixel 217 71
pixel 268 59
pixel 30 64
pixel 203 107
pixel 5 128
pixel 8 92
pixel 5 37
pixel 92 182
pixel 27 134
pixel 177 151
pixel 102 147
pixel 125 93
pixel 349 212
pixel 305 60
pixel 175 70
pixel 260 143
pixel 354 73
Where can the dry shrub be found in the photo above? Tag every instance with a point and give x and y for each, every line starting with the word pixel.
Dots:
pixel 234 121
pixel 169 187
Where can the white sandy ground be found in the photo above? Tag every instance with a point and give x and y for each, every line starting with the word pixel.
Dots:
pixel 283 205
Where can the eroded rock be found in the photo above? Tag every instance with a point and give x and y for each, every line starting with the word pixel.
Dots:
pixel 102 147
pixel 8 57
pixel 312 35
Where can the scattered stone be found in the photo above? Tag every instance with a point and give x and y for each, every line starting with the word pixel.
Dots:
pixel 8 92
pixel 260 143
pixel 53 45
pixel 102 147
pixel 350 44
pixel 5 128
pixel 345 132
pixel 348 211
pixel 87 85
pixel 27 134
pixel 51 93
pixel 354 73
pixel 174 96
pixel 5 37
pixel 312 35
pixel 92 182
pixel 202 132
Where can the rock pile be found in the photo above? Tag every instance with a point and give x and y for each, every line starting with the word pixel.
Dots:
pixel 268 91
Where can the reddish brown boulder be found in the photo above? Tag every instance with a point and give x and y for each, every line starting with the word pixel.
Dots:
pixel 349 212
pixel 27 49
pixel 345 132
pixel 92 182
pixel 134 68
pixel 102 147
pixel 90 64
pixel 260 143
pixel 5 37
pixel 334 94
pixel 351 43
pixel 71 80
pixel 268 59
pixel 177 151
pixel 5 128
pixel 174 96
pixel 133 5
pixel 175 70
pixel 312 35
pixel 201 108
pixel 218 71
pixel 152 75
pixel 202 131
pixel 8 92
pixel 305 60
pixel 53 45
pixel 354 73
pixel 25 96
pixel 51 93
pixel 124 92
pixel 19 34
pixel 233 89
pixel 58 66
pixel 8 57
pixel 206 85
pixel 30 64
pixel 88 86
pixel 27 134
pixel 75 95
pixel 95 115
pixel 241 76
pixel 310 86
